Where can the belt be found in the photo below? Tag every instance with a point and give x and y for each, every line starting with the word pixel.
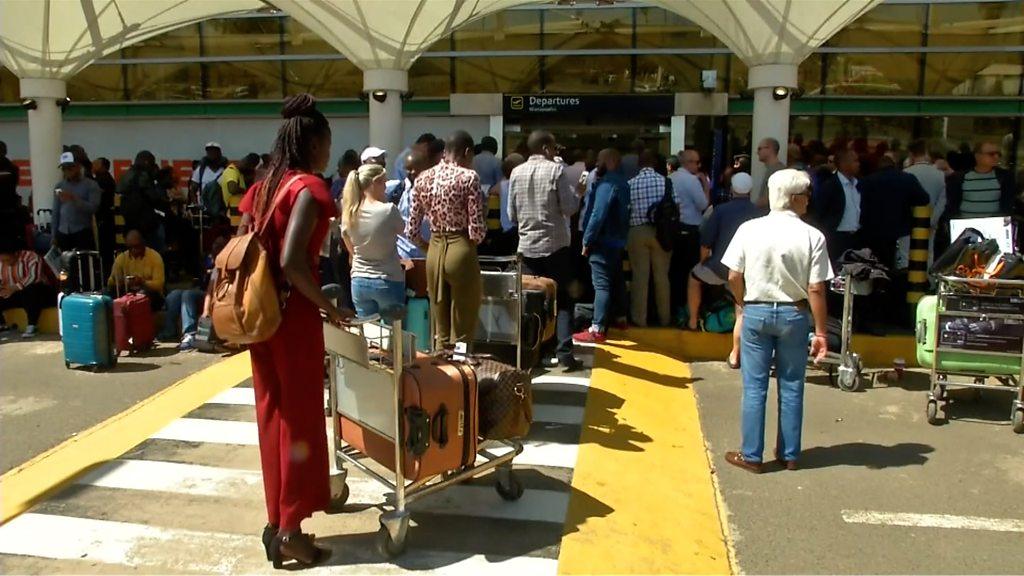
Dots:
pixel 802 304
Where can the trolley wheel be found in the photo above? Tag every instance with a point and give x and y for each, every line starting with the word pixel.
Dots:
pixel 940 393
pixel 387 546
pixel 67 365
pixel 96 369
pixel 337 503
pixel 933 412
pixel 512 491
pixel 849 379
pixel 1018 421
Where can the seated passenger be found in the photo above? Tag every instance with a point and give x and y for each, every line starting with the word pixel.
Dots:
pixel 141 267
pixel 715 237
pixel 24 283
pixel 187 305
pixel 370 226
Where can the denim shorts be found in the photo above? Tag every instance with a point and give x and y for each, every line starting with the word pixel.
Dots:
pixel 374 295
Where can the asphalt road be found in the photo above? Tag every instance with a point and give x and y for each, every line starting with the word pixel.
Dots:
pixel 42 403
pixel 866 456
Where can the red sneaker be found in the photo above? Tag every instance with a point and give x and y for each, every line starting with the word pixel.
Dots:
pixel 590 336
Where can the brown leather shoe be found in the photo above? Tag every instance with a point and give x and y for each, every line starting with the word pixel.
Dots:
pixel 736 459
pixel 787 464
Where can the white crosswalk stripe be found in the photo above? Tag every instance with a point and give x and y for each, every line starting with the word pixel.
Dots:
pixel 164 549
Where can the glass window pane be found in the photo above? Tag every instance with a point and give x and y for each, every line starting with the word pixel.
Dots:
pixel 586 29
pixel 864 133
pixel 300 40
pixel 508 30
pixel 9 89
pixel 873 74
pixel 884 25
pixel 977 24
pixel 677 73
pixel 972 74
pixel 174 44
pixel 505 75
pixel 571 74
pixel 242 36
pixel 738 74
pixel 243 81
pixel 431 77
pixel 659 28
pixel 324 78
pixel 97 83
pixel 164 82
pixel 946 134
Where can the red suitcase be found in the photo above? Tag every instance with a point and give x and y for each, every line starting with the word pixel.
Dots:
pixel 134 325
pixel 440 421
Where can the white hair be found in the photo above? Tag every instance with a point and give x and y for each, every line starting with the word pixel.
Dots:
pixel 785 184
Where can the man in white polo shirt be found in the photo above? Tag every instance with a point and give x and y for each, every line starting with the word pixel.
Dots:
pixel 778 267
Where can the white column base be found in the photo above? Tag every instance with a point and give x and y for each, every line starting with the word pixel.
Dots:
pixel 44 136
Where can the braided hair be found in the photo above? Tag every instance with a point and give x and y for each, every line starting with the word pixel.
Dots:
pixel 303 125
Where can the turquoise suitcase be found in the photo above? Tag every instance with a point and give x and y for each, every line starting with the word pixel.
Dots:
pixel 417 321
pixel 87 328
pixel 969 362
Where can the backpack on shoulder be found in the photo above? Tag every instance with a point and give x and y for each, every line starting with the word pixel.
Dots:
pixel 664 216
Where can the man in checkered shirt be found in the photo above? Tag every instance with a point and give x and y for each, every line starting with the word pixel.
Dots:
pixel 541 199
pixel 646 256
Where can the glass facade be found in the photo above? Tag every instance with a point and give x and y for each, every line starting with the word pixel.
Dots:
pixel 950 51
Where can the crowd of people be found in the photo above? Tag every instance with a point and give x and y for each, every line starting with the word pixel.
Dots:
pixel 574 216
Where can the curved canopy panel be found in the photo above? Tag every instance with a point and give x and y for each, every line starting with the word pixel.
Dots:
pixel 391 34
pixel 57 38
pixel 771 31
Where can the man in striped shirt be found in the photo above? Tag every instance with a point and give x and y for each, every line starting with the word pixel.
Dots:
pixel 985 191
pixel 24 283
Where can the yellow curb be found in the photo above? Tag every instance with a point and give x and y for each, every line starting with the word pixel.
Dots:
pixel 643 498
pixel 24 486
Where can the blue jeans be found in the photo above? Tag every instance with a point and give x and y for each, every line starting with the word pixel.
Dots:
pixel 376 295
pixel 605 267
pixel 186 305
pixel 779 332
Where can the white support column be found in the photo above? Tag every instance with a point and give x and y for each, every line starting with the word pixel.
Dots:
pixel 677 138
pixel 44 136
pixel 496 127
pixel 386 116
pixel 771 116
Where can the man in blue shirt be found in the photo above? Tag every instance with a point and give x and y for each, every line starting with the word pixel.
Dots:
pixel 606 225
pixel 487 165
pixel 715 237
pixel 76 200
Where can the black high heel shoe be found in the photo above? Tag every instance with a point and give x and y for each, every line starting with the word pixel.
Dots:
pixel 298 547
pixel 269 532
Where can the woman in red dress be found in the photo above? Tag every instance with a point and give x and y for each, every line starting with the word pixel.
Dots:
pixel 287 369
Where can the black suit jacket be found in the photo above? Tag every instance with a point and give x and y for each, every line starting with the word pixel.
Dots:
pixel 887 204
pixel 829 205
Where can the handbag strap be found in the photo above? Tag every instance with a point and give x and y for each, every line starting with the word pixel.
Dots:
pixel 279 196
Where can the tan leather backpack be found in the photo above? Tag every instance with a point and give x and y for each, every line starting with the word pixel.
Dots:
pixel 246 297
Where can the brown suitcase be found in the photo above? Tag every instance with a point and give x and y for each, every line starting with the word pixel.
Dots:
pixel 550 289
pixel 440 421
pixel 416 278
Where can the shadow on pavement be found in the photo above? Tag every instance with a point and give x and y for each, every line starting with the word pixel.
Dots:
pixel 865 455
pixel 612 363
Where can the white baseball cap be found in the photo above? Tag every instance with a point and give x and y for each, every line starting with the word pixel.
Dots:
pixel 212 145
pixel 741 183
pixel 371 152
pixel 66 158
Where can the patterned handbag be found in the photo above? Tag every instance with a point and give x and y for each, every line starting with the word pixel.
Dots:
pixel 506 397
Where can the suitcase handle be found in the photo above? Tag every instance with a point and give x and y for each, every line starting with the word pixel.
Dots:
pixel 418 436
pixel 922 331
pixel 439 426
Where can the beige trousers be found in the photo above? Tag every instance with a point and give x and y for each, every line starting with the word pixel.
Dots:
pixel 647 257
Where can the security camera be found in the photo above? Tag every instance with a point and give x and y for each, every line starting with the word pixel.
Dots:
pixel 29 104
pixel 780 93
pixel 379 95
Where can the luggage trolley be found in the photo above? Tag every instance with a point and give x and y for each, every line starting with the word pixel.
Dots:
pixel 366 387
pixel 501 309
pixel 978 336
pixel 846 362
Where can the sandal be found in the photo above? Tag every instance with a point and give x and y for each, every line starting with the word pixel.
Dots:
pixel 298 547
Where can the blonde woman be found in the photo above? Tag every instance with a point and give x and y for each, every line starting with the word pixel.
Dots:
pixel 370 226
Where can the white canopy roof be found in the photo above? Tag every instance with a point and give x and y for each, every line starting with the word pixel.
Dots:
pixel 770 31
pixel 57 38
pixel 387 34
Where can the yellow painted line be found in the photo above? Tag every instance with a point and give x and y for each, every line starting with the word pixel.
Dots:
pixel 24 486
pixel 643 497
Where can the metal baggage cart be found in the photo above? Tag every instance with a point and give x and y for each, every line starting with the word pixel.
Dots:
pixel 980 293
pixel 366 387
pixel 845 366
pixel 501 314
